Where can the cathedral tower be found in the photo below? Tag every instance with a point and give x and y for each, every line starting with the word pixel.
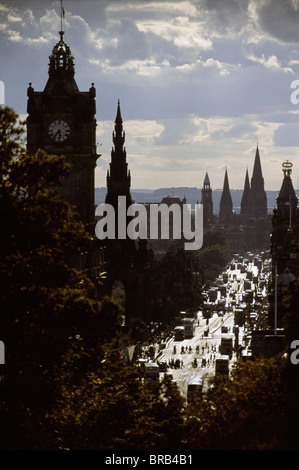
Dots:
pixel 61 120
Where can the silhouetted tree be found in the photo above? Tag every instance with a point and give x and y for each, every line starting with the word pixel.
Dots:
pixel 114 409
pixel 45 304
pixel 173 286
pixel 244 412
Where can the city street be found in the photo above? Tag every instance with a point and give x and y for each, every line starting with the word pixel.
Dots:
pixel 196 356
pixel 203 348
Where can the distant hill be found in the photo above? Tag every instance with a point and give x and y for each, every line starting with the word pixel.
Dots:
pixel 193 195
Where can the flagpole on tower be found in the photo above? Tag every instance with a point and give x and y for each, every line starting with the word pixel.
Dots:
pixel 62 15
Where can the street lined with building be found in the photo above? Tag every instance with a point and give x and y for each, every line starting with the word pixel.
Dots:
pixel 210 342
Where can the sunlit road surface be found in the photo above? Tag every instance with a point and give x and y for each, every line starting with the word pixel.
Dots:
pixel 208 349
pixel 208 346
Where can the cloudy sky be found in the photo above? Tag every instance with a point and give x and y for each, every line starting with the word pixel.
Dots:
pixel 200 82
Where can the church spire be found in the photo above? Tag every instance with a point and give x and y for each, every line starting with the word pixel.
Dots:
pixel 118 175
pixel 245 202
pixel 118 134
pixel 258 198
pixel 118 119
pixel 257 177
pixel 226 203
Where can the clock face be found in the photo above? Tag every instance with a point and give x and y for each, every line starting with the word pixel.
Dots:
pixel 59 130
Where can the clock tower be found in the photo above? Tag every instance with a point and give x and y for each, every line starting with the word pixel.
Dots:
pixel 61 120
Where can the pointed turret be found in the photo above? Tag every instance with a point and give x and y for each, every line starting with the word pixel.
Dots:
pixel 118 114
pixel 61 70
pixel 245 202
pixel 287 200
pixel 258 198
pixel 206 182
pixel 257 168
pixel 226 203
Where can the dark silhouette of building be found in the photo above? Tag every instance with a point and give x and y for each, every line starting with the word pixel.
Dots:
pixel 254 199
pixel 245 202
pixel 226 204
pixel 249 230
pixel 207 202
pixel 125 258
pixel 169 221
pixel 258 198
pixel 61 120
pixel 284 239
pixel 285 225
pixel 118 175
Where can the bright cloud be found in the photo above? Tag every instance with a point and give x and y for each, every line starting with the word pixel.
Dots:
pixel 200 83
pixel 271 62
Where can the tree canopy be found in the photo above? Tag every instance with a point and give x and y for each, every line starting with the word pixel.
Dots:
pixel 243 412
pixel 45 302
pixel 114 409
